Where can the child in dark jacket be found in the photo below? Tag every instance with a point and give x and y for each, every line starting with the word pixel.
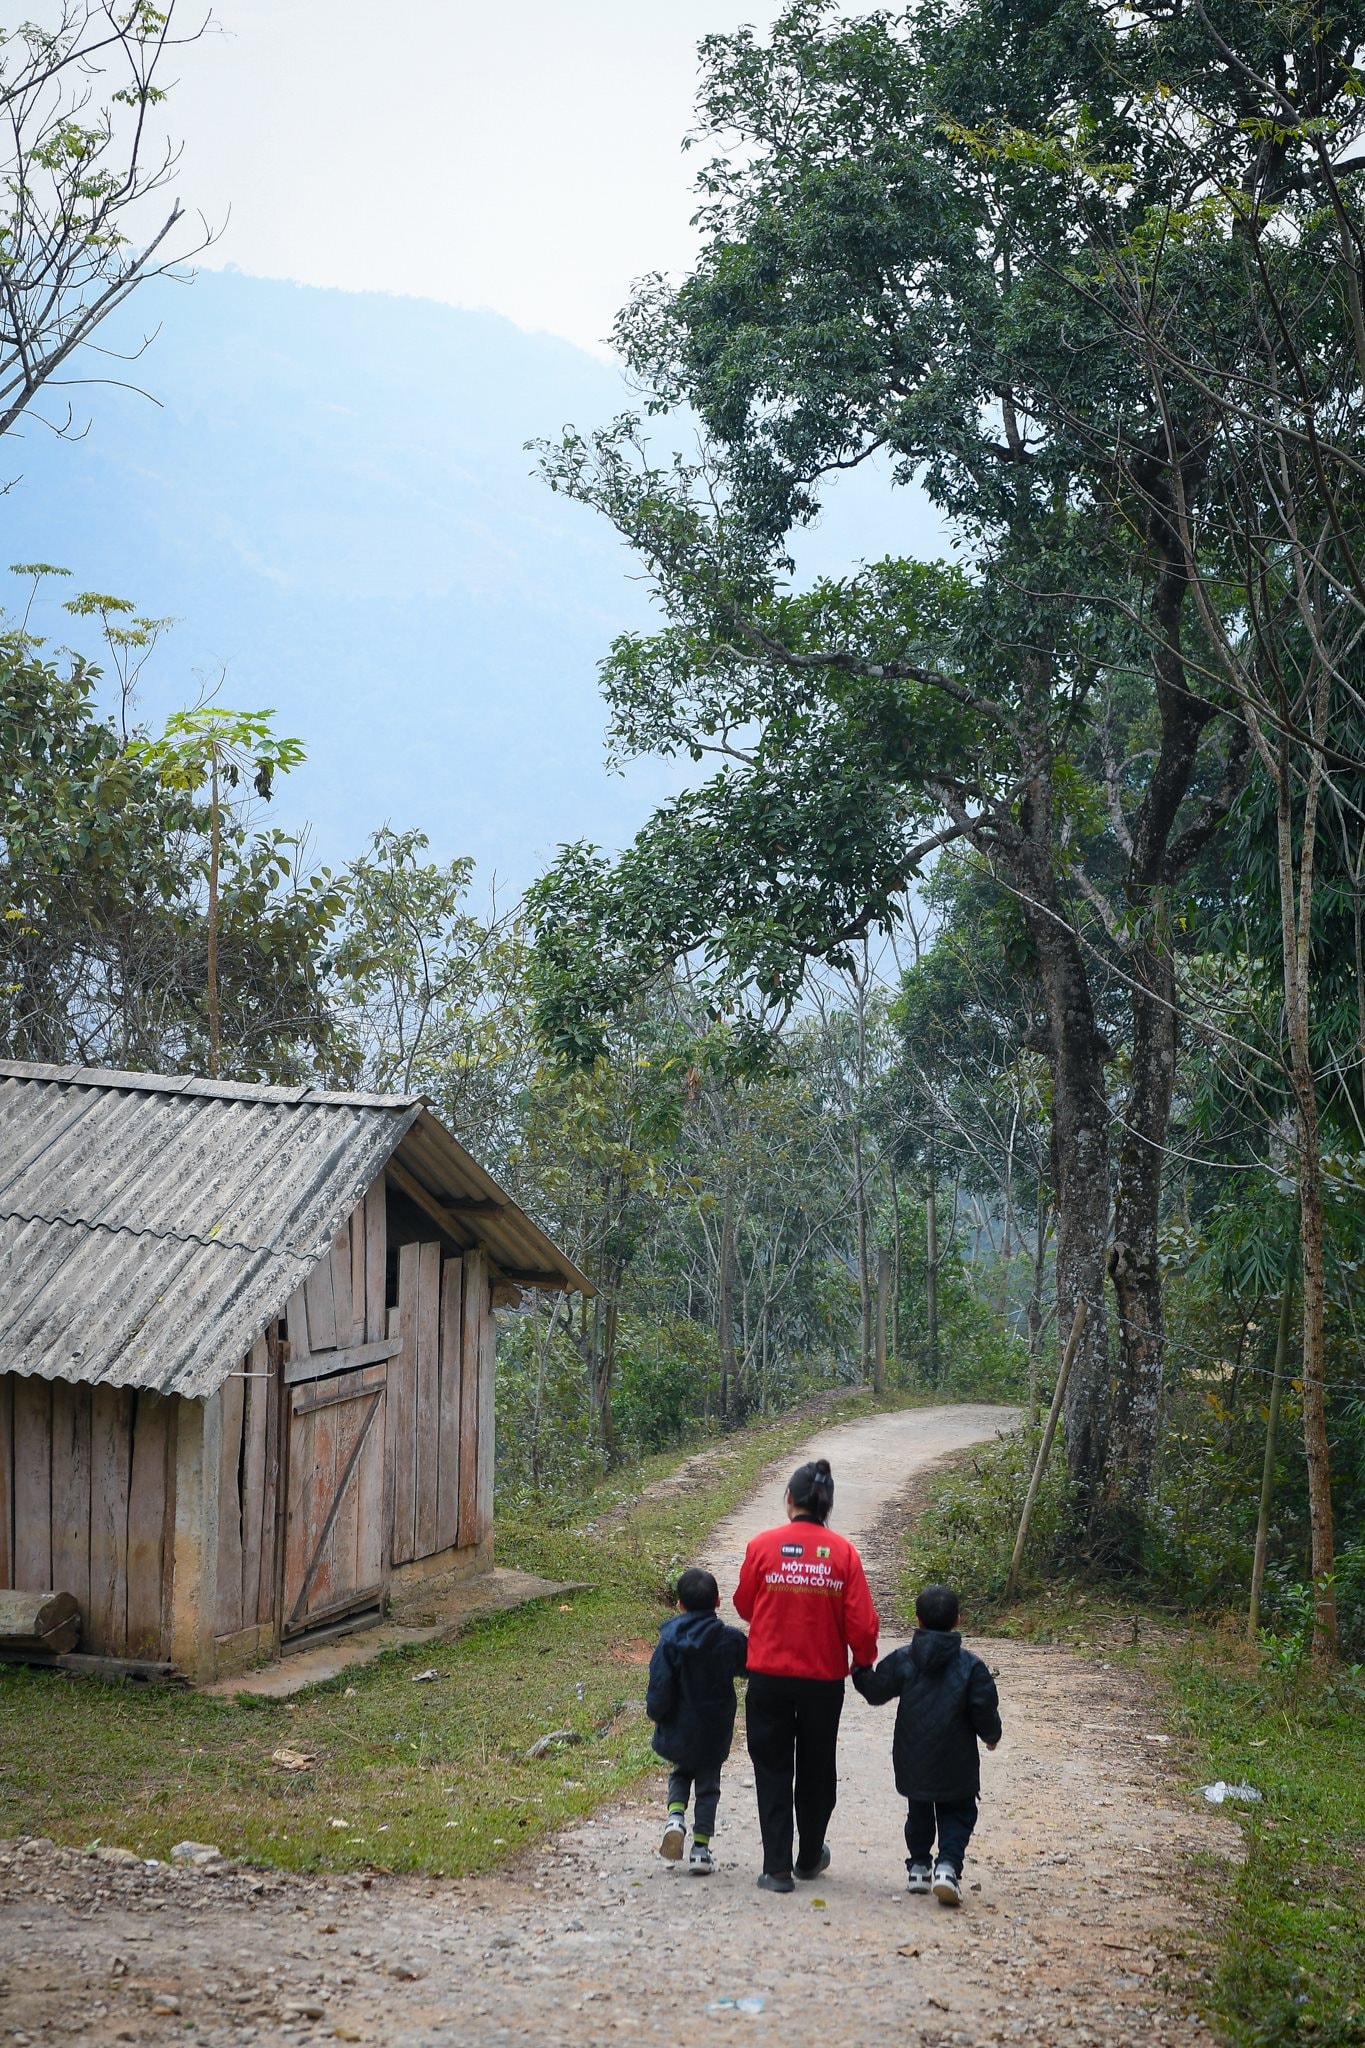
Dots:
pixel 691 1700
pixel 947 1702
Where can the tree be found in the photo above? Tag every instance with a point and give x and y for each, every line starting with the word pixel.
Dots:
pixel 1240 293
pixel 104 877
pixel 88 862
pixel 212 746
pixel 431 996
pixel 967 1086
pixel 876 281
pixel 74 179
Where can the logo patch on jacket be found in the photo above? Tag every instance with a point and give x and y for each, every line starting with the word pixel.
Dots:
pixel 822 1550
pixel 796 1550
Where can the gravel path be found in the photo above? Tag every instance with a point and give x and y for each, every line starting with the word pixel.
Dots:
pixel 1063 1937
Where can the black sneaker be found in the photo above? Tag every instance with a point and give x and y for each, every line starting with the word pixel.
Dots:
pixel 701 1862
pixel 821 1866
pixel 769 1881
pixel 920 1878
pixel 675 1839
pixel 947 1889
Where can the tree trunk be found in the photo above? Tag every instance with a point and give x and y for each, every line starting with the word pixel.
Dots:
pixel 215 849
pixel 1134 1265
pixel 931 1258
pixel 725 1308
pixel 895 1271
pixel 603 1375
pixel 1316 1444
pixel 1296 926
pixel 1268 1467
pixel 865 1345
pixel 1158 853
pixel 1007 1235
pixel 883 1289
pixel 1080 1177
pixel 1035 1315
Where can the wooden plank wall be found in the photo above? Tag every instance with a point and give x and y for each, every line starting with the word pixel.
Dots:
pixel 448 1454
pixel 248 1491
pixel 342 1303
pixel 439 1390
pixel 403 1408
pixel 7 1482
pixel 477 1314
pixel 87 1506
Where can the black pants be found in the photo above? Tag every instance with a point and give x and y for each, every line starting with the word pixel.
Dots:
pixel 706 1782
pixel 792 1727
pixel 955 1820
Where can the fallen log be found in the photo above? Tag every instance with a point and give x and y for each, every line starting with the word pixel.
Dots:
pixel 48 1624
pixel 112 1670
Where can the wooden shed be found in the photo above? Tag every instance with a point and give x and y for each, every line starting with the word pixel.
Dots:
pixel 246 1356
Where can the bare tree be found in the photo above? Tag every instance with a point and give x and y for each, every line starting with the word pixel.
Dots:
pixel 82 167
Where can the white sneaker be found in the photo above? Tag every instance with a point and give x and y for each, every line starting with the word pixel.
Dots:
pixel 701 1862
pixel 675 1838
pixel 920 1879
pixel 946 1888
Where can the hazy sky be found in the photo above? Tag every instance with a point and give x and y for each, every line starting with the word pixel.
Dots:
pixel 520 155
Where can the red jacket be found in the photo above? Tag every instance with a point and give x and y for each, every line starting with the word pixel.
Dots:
pixel 804 1593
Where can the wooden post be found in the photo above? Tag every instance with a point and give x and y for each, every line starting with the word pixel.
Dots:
pixel 1044 1448
pixel 194 1574
pixel 1268 1469
pixel 883 1289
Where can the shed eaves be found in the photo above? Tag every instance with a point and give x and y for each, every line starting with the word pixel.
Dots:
pixel 151 1226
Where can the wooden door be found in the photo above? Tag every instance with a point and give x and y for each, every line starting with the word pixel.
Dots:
pixel 336 1539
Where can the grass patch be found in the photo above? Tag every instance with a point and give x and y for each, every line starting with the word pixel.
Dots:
pixel 427 1777
pixel 1291 1968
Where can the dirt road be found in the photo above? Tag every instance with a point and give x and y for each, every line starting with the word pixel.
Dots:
pixel 592 1938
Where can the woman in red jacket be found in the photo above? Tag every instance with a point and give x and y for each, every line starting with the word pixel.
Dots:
pixel 804 1593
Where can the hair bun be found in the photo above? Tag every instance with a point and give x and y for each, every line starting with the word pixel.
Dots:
pixel 812 1489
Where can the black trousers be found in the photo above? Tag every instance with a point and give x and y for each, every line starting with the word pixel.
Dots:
pixel 792 1729
pixel 955 1821
pixel 705 1782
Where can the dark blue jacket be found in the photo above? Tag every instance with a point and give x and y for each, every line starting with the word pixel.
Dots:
pixel 691 1697
pixel 947 1700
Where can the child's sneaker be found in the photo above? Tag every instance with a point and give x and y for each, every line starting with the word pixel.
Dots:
pixel 675 1837
pixel 947 1890
pixel 701 1862
pixel 920 1879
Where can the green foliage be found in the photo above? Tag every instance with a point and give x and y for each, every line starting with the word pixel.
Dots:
pixel 964 1535
pixel 981 1356
pixel 1202 1522
pixel 213 745
pixel 104 867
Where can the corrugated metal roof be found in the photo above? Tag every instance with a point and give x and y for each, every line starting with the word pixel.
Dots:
pixel 151 1226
